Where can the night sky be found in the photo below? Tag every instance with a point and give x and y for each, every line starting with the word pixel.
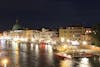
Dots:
pixel 49 13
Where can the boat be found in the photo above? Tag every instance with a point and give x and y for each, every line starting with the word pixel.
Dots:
pixel 80 55
pixel 63 56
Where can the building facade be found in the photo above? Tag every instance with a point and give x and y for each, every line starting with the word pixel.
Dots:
pixel 75 34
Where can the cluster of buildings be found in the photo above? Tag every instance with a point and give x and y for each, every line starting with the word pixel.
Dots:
pixel 74 35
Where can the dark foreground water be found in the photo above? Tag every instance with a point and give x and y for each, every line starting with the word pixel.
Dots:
pixel 41 56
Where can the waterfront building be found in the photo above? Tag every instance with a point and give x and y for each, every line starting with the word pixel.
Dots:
pixel 20 34
pixel 74 34
pixel 71 34
pixel 44 35
pixel 87 35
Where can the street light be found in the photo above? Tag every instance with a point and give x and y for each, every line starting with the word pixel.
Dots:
pixel 5 62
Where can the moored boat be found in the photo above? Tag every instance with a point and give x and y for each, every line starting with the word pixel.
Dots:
pixel 63 56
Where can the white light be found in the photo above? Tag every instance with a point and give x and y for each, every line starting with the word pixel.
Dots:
pixel 37 50
pixel 25 39
pixel 62 39
pixel 5 62
pixel 54 42
pixel 89 31
pixel 48 41
pixel 84 63
pixel 68 40
pixel 16 39
pixel 22 39
pixel 33 39
pixel 31 46
pixel 84 60
pixel 75 42
pixel 36 47
pixel 84 43
pixel 15 46
pixel 49 48
pixel 64 46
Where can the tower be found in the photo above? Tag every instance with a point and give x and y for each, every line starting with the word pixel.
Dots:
pixel 17 21
pixel 17 26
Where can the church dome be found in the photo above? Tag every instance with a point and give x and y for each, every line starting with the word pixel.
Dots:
pixel 17 26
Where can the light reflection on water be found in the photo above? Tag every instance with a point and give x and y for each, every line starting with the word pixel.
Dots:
pixel 49 53
pixel 36 56
pixel 66 63
pixel 84 62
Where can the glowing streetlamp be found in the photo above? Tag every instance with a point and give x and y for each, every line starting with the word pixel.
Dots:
pixel 5 62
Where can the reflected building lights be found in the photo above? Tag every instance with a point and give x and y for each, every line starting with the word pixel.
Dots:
pixel 23 47
pixel 49 53
pixel 31 46
pixel 66 63
pixel 49 47
pixel 37 50
pixel 14 45
pixel 36 54
pixel 3 43
pixel 15 58
pixel 84 62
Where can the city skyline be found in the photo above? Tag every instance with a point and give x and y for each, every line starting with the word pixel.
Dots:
pixel 9 25
pixel 19 26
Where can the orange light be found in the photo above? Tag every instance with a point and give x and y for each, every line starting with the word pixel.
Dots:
pixel 4 61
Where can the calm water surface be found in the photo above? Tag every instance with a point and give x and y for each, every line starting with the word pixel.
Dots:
pixel 41 56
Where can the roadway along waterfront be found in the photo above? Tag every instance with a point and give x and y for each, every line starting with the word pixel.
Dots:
pixel 34 55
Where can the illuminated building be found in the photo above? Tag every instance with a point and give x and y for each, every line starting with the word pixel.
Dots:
pixel 71 33
pixel 86 36
pixel 75 34
pixel 18 34
pixel 47 35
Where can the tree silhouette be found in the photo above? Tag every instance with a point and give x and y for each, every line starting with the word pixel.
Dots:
pixel 96 34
